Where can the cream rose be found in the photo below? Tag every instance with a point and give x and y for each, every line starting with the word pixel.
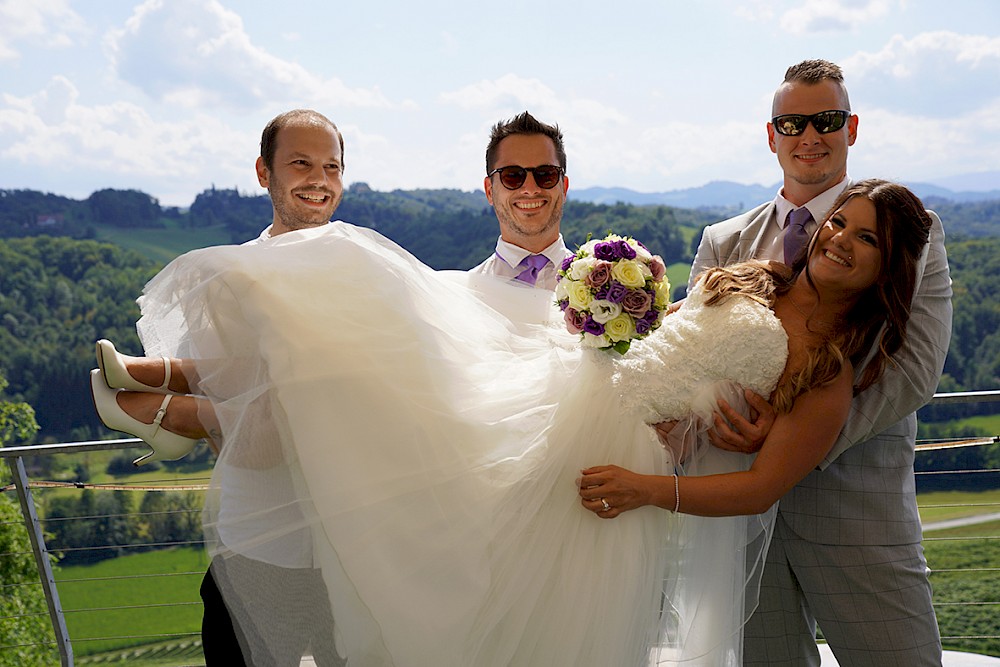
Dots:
pixel 579 294
pixel 662 299
pixel 630 273
pixel 620 328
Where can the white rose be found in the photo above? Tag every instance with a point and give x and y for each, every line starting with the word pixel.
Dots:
pixel 590 340
pixel 604 311
pixel 579 269
pixel 560 292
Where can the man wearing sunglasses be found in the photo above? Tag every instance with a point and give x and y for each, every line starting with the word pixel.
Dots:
pixel 526 184
pixel 846 551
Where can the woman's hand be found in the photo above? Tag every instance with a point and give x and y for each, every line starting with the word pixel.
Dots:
pixel 608 491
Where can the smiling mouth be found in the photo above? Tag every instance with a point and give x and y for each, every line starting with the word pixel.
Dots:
pixel 836 258
pixel 812 157
pixel 529 206
pixel 312 197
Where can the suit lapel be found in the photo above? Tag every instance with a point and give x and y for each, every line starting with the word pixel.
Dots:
pixel 748 242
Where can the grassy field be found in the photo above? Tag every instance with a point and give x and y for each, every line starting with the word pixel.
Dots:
pixel 134 600
pixel 678 274
pixel 965 574
pixel 989 423
pixel 162 245
pixel 936 506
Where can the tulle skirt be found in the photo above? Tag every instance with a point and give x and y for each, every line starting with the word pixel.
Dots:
pixel 426 448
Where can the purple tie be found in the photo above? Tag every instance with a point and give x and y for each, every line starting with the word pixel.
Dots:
pixel 796 235
pixel 531 264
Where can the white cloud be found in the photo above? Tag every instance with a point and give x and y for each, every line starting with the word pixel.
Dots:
pixel 196 53
pixel 50 23
pixel 121 143
pixel 832 15
pixel 915 147
pixel 938 74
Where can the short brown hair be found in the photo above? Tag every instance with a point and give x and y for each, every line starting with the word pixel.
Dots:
pixel 811 72
pixel 523 123
pixel 269 137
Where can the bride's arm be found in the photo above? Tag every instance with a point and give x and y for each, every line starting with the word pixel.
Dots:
pixel 795 445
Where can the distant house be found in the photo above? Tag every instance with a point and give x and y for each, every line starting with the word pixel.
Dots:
pixel 48 219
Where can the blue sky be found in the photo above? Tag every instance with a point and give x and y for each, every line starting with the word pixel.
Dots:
pixel 169 96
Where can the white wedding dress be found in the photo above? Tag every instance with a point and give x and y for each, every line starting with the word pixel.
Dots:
pixel 429 447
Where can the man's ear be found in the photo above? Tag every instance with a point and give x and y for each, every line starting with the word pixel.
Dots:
pixel 488 188
pixel 263 175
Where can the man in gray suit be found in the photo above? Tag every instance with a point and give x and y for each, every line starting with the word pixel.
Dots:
pixel 846 552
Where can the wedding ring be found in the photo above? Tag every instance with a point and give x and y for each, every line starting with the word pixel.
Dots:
pixel 604 501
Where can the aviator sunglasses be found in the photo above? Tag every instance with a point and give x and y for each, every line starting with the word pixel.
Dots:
pixel 794 124
pixel 546 176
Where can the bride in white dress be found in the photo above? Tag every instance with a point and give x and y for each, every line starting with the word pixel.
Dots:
pixel 436 449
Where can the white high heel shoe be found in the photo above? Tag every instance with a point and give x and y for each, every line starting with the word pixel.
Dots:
pixel 112 364
pixel 166 446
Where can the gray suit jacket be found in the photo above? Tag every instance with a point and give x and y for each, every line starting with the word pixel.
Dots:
pixel 863 492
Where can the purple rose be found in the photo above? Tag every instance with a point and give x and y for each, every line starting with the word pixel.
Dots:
pixel 642 327
pixel 599 274
pixel 616 292
pixel 592 327
pixel 564 304
pixel 574 321
pixel 624 250
pixel 636 302
pixel 658 268
pixel 602 291
pixel 566 262
pixel 606 251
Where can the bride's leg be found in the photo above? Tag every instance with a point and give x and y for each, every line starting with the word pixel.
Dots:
pixel 188 416
pixel 181 416
pixel 151 370
pixel 157 374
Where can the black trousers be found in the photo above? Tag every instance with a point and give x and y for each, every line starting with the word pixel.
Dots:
pixel 291 598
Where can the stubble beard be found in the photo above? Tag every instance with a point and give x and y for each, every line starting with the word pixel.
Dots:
pixel 509 219
pixel 284 208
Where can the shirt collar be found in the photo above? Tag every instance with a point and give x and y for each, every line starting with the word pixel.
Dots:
pixel 819 205
pixel 512 254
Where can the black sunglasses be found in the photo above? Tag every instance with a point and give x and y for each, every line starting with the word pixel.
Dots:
pixel 794 124
pixel 546 176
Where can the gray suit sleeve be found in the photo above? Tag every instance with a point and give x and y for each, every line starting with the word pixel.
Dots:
pixel 909 383
pixel 706 257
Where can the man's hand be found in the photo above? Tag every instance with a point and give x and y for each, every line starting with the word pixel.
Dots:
pixel 736 433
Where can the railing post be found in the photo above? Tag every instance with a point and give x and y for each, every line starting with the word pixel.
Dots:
pixel 37 538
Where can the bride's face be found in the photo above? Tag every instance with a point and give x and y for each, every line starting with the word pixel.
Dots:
pixel 847 254
pixel 529 215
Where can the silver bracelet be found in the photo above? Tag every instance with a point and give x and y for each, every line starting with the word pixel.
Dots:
pixel 677 494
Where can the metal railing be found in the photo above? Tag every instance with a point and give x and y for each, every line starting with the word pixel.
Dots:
pixel 15 459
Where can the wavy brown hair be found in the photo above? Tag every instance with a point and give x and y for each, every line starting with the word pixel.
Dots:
pixel 877 321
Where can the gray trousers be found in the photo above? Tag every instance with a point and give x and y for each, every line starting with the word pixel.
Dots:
pixel 873 604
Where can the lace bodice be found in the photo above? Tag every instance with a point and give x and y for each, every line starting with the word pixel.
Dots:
pixel 663 375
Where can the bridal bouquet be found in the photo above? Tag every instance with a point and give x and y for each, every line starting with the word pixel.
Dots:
pixel 612 292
